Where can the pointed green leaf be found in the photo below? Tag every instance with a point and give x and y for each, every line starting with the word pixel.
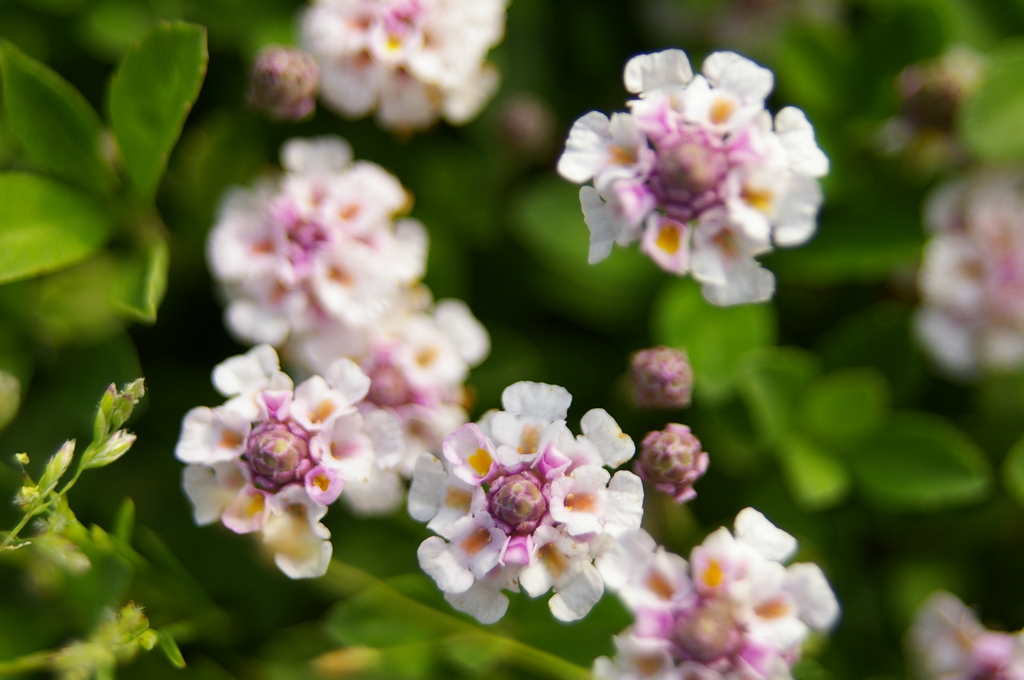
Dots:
pixel 143 283
pixel 816 479
pixel 845 404
pixel 45 226
pixel 59 130
pixel 10 398
pixel 124 521
pixel 151 95
pixel 919 461
pixel 170 649
pixel 1013 471
pixel 772 382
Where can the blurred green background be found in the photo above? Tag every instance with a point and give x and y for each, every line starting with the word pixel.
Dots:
pixel 817 408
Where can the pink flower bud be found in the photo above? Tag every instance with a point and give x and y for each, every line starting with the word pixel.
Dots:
pixel 709 631
pixel 518 501
pixel 672 460
pixel 662 378
pixel 284 83
pixel 278 453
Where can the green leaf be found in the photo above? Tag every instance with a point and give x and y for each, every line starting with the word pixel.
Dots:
pixel 772 382
pixel 142 283
pixel 10 398
pixel 990 121
pixel 1013 471
pixel 45 226
pixel 713 337
pixel 151 96
pixel 919 461
pixel 376 617
pixel 846 404
pixel 815 478
pixel 124 521
pixel 170 649
pixel 59 130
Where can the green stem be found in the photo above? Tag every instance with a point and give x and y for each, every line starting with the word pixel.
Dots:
pixel 29 662
pixel 346 580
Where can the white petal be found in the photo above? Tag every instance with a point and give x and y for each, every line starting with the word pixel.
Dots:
pixel 467 334
pixel 345 376
pixel 462 104
pixel 755 530
pixel 211 436
pixel 537 401
pixel 604 227
pixel 246 373
pixel 797 215
pixel 438 561
pixel 748 282
pixel 251 322
pixel 614 445
pixel 813 595
pixel 381 493
pixel 647 72
pixel 310 565
pixel 586 150
pixel 349 88
pixel 483 601
pixel 625 508
pixel 797 137
pixel 208 497
pixel 578 594
pixel 738 75
pixel 535 579
pixel 317 155
pixel 428 488
pixel 631 551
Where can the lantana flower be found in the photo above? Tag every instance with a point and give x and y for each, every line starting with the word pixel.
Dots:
pixel 698 172
pixel 972 277
pixel 318 263
pixel 733 611
pixel 273 457
pixel 413 61
pixel 947 642
pixel 518 502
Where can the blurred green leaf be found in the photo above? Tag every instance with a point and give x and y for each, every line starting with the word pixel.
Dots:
pixel 151 95
pixel 59 130
pixel 124 521
pixel 713 337
pixel 919 461
pixel 846 404
pixel 816 479
pixel 10 398
pixel 170 649
pixel 45 226
pixel 990 121
pixel 772 382
pixel 142 283
pixel 374 617
pixel 1013 471
pixel 73 304
pixel 109 28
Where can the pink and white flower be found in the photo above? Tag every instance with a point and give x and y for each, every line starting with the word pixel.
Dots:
pixel 698 172
pixel 272 458
pixel 518 501
pixel 733 611
pixel 972 277
pixel 947 642
pixel 413 61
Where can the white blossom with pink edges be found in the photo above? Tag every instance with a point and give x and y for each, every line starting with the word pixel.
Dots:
pixel 734 611
pixel 698 172
pixel 518 502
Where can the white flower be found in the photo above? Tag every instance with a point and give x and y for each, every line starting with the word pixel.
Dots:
pixel 699 172
pixel 412 60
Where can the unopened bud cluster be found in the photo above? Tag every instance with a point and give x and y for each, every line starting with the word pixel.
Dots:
pixel 284 83
pixel 672 460
pixel 661 378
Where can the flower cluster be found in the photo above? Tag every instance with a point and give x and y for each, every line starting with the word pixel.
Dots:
pixel 316 262
pixel 274 456
pixel 947 642
pixel 517 501
pixel 972 277
pixel 735 611
pixel 698 172
pixel 413 61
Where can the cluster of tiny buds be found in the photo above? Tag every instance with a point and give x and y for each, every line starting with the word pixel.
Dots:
pixel 284 83
pixel 661 378
pixel 672 460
